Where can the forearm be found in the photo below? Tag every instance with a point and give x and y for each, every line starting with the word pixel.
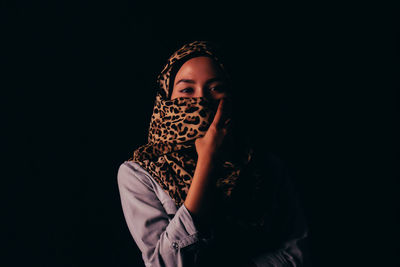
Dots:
pixel 200 195
pixel 163 240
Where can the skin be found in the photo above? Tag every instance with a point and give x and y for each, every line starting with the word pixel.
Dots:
pixel 198 77
pixel 201 77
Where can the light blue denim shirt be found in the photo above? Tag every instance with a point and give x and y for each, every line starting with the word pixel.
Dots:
pixel 167 235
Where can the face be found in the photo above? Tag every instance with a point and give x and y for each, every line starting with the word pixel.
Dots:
pixel 199 77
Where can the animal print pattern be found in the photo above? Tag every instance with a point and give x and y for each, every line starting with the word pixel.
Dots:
pixel 170 155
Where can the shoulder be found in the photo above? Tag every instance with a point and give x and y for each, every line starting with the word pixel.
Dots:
pixel 132 175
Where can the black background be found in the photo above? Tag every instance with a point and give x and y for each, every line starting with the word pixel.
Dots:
pixel 77 95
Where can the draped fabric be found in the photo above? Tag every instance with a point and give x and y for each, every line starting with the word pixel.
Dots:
pixel 170 155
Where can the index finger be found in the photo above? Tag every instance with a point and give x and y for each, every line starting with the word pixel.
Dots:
pixel 220 115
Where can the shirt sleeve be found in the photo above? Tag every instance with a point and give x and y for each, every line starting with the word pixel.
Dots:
pixel 293 249
pixel 164 239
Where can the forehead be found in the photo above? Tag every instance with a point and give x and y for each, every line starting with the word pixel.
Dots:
pixel 198 66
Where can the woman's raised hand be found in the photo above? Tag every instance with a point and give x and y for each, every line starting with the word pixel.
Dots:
pixel 211 142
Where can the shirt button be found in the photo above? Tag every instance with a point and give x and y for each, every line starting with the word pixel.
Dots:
pixel 175 245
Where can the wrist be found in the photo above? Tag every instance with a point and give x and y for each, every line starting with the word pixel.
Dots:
pixel 207 159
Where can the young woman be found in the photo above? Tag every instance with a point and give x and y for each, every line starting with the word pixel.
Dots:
pixel 198 194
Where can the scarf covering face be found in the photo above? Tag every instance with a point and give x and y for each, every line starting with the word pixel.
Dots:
pixel 170 155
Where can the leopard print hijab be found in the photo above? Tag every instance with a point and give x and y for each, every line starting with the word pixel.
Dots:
pixel 170 155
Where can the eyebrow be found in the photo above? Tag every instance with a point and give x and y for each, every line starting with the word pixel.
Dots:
pixel 192 81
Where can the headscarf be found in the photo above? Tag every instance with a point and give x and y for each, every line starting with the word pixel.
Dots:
pixel 170 155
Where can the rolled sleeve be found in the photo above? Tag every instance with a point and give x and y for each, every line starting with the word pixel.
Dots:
pixel 163 241
pixel 182 230
pixel 279 258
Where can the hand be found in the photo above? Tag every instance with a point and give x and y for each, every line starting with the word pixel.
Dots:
pixel 210 143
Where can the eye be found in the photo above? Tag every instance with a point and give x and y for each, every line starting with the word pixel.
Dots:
pixel 186 90
pixel 218 88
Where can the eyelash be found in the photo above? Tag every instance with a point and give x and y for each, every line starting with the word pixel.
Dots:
pixel 217 88
pixel 183 90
